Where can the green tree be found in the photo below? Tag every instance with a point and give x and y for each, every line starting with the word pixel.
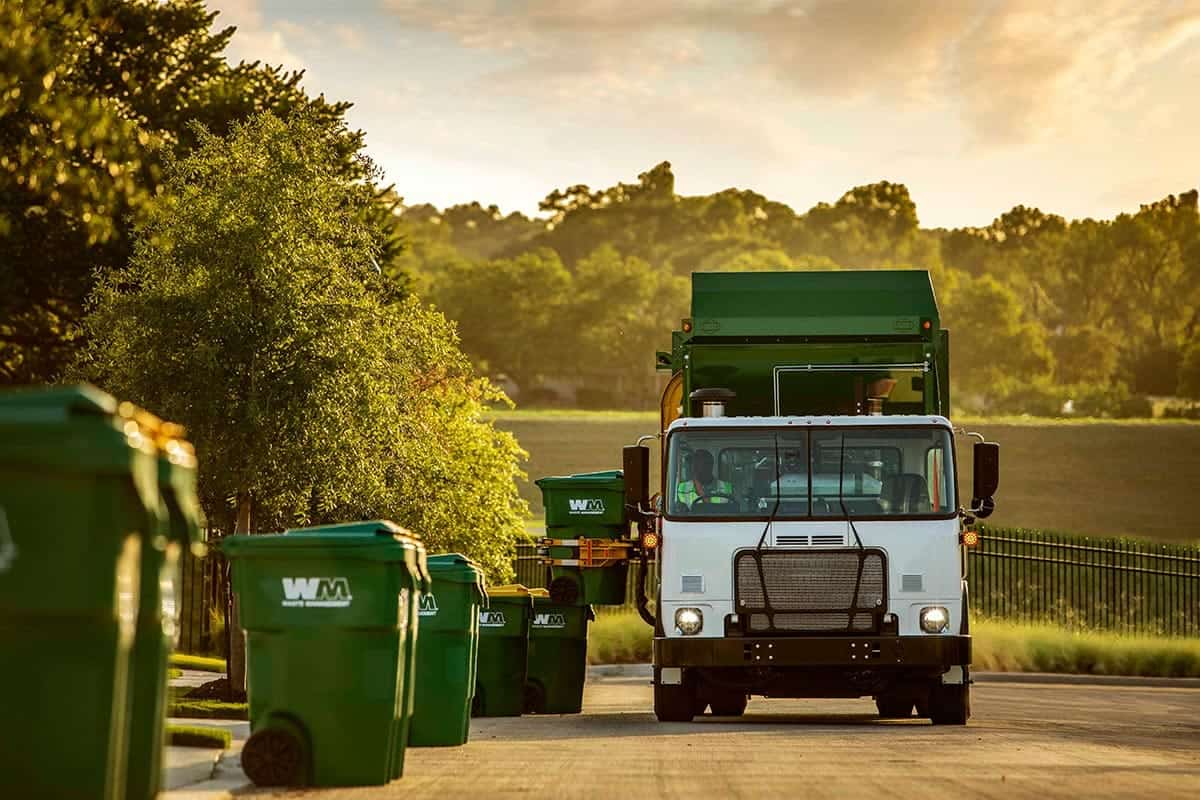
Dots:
pixel 509 312
pixel 622 307
pixel 93 95
pixel 1189 372
pixel 991 340
pixel 253 312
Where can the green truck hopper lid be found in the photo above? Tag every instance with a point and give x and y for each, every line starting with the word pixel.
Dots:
pixel 851 303
pixel 607 479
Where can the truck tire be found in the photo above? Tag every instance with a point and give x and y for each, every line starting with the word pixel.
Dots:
pixel 727 703
pixel 674 703
pixel 950 704
pixel 894 706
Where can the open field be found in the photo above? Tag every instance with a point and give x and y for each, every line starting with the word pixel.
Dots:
pixel 1089 477
pixel 1024 741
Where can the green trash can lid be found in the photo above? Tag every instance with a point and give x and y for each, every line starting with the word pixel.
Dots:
pixel 370 527
pixel 457 568
pixel 320 544
pixel 453 567
pixel 55 404
pixel 608 479
pixel 381 529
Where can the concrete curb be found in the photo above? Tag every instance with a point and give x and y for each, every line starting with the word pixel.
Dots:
pixel 187 765
pixel 1086 680
pixel 646 671
pixel 226 778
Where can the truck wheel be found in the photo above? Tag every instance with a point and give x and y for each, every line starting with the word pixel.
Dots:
pixel 674 703
pixel 726 703
pixel 894 706
pixel 950 704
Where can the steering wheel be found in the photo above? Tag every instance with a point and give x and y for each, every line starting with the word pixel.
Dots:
pixel 708 498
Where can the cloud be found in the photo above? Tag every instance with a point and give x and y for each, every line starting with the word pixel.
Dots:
pixel 1025 69
pixel 257 39
pixel 1012 70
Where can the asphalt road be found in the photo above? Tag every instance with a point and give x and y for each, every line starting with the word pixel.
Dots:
pixel 1036 741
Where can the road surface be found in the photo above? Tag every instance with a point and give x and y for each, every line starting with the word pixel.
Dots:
pixel 1035 741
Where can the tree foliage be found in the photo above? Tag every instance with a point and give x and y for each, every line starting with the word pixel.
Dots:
pixel 1042 310
pixel 94 94
pixel 253 311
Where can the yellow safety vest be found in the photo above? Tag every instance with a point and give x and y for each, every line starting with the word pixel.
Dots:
pixel 689 492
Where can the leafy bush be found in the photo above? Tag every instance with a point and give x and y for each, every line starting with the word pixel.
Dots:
pixel 207 709
pixel 203 663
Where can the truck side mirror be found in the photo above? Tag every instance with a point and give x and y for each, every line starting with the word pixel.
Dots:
pixel 986 478
pixel 635 460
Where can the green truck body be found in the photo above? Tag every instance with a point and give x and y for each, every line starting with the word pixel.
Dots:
pixel 797 343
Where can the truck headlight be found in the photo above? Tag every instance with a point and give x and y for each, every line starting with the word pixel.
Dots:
pixel 689 621
pixel 934 619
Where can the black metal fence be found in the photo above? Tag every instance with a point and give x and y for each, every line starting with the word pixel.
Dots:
pixel 202 594
pixel 1121 585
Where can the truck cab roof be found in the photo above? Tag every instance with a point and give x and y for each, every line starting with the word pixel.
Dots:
pixel 898 420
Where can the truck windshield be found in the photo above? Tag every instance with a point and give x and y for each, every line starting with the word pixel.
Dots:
pixel 885 473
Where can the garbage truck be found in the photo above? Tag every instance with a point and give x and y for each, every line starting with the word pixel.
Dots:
pixel 807 525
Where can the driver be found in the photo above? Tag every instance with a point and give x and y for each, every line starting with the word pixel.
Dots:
pixel 704 485
pixel 793 475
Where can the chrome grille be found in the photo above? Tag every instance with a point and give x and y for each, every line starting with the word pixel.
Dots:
pixel 811 590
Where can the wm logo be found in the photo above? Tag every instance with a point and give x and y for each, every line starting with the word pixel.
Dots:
pixel 491 619
pixel 428 606
pixel 316 592
pixel 550 621
pixel 589 506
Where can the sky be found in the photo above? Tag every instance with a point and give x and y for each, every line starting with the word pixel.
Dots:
pixel 1078 107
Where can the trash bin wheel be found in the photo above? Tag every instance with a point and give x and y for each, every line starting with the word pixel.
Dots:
pixel 273 757
pixel 535 698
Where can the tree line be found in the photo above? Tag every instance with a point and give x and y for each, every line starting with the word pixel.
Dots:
pixel 1094 316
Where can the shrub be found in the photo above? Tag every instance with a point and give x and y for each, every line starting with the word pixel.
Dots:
pixel 198 736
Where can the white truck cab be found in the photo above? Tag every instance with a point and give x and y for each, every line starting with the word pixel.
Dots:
pixel 811 556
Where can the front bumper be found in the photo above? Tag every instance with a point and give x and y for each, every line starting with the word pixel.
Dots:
pixel 814 651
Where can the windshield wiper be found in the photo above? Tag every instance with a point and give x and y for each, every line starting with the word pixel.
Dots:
pixel 842 499
pixel 775 510
pixel 762 578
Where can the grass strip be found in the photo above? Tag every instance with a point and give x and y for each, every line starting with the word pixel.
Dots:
pixel 1008 647
pixel 198 736
pixel 206 709
pixel 202 663
pixel 621 637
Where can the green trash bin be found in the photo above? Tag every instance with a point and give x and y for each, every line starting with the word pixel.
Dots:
pixel 78 492
pixel 446 660
pixel 557 656
pixel 589 505
pixel 182 526
pixel 503 652
pixel 417 563
pixel 328 622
